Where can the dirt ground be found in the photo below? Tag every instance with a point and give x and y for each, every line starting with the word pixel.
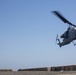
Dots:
pixel 38 73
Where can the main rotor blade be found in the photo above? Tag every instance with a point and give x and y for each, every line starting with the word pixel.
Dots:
pixel 62 18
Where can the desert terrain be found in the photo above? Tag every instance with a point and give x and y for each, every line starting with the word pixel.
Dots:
pixel 39 73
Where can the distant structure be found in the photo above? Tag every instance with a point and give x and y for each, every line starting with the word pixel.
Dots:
pixel 64 68
pixel 35 69
pixel 5 70
pixel 56 68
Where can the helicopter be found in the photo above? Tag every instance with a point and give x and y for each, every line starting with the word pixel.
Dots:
pixel 69 35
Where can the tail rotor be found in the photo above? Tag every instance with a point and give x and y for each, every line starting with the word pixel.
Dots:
pixel 56 38
pixel 58 41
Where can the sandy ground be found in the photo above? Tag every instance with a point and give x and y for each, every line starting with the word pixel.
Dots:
pixel 38 73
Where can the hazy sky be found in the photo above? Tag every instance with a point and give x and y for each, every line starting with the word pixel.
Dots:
pixel 28 31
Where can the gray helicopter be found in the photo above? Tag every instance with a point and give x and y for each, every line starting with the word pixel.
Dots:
pixel 69 35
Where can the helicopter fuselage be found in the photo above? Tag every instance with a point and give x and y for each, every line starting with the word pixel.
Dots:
pixel 68 36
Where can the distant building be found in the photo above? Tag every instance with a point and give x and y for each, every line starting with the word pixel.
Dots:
pixel 4 70
pixel 56 68
pixel 36 69
pixel 64 68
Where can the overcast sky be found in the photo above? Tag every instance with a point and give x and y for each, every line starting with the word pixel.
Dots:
pixel 28 32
